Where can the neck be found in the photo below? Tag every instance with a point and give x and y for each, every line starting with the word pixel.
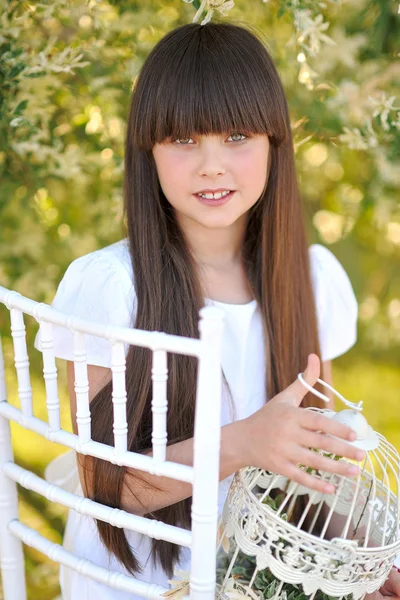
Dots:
pixel 214 247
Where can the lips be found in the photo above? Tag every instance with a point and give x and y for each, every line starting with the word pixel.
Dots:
pixel 212 201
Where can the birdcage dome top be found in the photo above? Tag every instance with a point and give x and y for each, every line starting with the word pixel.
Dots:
pixel 340 544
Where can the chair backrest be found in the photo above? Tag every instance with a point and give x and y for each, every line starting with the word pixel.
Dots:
pixel 203 475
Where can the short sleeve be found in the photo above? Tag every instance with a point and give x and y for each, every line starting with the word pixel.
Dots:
pixel 97 288
pixel 336 304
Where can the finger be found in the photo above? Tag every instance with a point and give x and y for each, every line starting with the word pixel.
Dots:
pixel 295 392
pixel 319 422
pixel 310 439
pixel 393 582
pixel 322 463
pixel 298 475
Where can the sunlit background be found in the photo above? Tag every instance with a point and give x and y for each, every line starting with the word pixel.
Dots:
pixel 67 69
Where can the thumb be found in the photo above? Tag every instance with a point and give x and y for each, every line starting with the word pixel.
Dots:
pixel 295 392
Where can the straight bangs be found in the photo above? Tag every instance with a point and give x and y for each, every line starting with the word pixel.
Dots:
pixel 207 79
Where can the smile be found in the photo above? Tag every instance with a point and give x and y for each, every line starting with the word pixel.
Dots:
pixel 215 199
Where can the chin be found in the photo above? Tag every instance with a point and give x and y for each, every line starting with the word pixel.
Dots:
pixel 218 222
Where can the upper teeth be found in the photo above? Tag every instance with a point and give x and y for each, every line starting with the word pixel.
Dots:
pixel 215 196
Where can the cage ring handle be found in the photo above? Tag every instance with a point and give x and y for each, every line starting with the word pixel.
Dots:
pixel 353 405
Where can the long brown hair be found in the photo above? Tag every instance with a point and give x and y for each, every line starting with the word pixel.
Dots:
pixel 215 78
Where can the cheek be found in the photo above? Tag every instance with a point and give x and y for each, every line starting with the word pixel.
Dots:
pixel 253 168
pixel 171 172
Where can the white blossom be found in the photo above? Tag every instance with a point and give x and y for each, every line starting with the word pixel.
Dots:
pixel 356 140
pixel 211 6
pixel 383 106
pixel 311 30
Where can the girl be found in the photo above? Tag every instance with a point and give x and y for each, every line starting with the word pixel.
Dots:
pixel 214 217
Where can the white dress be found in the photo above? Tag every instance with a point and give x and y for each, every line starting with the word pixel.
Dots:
pixel 100 286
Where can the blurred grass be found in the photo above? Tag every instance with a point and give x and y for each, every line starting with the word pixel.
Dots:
pixel 356 378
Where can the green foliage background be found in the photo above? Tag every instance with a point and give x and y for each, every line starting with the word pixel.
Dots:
pixel 66 73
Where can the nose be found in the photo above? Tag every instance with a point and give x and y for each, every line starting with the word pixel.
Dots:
pixel 211 159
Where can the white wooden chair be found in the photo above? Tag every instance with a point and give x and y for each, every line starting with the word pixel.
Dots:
pixel 203 476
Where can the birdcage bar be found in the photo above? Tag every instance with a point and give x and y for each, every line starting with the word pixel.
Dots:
pixel 85 567
pixel 120 425
pixel 332 507
pixel 386 512
pixel 159 404
pixel 273 484
pixel 206 451
pixel 290 496
pixel 117 517
pixel 294 495
pixel 257 477
pixel 395 466
pixel 311 501
pixel 81 387
pixel 11 553
pixel 377 519
pixel 21 360
pixel 98 450
pixel 229 569
pixel 256 571
pixel 50 375
pixel 315 517
pixel 368 502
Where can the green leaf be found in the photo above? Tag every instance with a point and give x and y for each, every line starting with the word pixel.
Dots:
pixel 21 107
pixel 239 571
pixel 16 70
pixel 271 589
pixel 196 4
pixel 38 74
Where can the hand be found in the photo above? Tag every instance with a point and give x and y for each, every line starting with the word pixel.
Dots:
pixel 391 587
pixel 278 437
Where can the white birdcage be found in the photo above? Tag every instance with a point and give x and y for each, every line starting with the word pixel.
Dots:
pixel 281 540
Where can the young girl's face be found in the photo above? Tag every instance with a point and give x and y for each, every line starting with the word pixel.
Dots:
pixel 232 161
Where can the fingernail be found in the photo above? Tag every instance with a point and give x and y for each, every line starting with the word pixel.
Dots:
pixel 353 436
pixel 329 488
pixel 353 470
pixel 360 456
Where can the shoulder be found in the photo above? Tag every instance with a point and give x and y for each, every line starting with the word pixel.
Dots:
pixel 335 301
pixel 114 258
pixel 99 285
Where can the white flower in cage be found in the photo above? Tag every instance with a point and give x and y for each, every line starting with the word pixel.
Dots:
pixel 235 591
pixel 181 586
